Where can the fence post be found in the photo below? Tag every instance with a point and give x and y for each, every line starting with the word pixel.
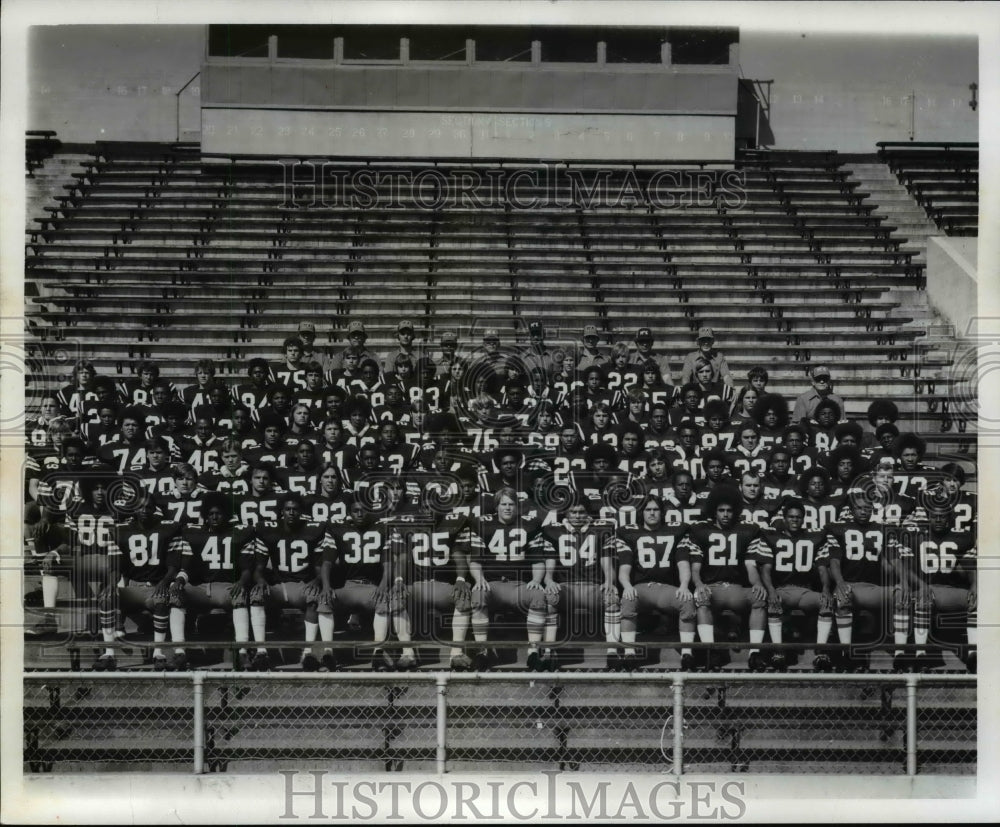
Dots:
pixel 678 684
pixel 442 719
pixel 911 725
pixel 199 722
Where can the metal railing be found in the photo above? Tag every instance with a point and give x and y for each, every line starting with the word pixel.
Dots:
pixel 673 722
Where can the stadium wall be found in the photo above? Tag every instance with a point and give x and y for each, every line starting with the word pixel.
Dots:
pixel 952 283
pixel 92 83
pixel 476 111
pixel 845 93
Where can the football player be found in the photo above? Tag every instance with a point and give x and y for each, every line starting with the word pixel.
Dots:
pixel 655 576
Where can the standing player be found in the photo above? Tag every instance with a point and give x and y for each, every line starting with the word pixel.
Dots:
pixel 655 577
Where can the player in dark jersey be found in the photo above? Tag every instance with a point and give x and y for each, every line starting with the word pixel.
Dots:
pixel 940 567
pixel 632 457
pixel 182 504
pixel 724 553
pixel 143 556
pixel 748 454
pixel 911 476
pixel 680 502
pixel 655 576
pixel 356 574
pixel 686 452
pixel 77 548
pixel 508 573
pixel 233 474
pixel 79 391
pixel 432 552
pixel 845 465
pixel 771 415
pixel 779 481
pixel 329 505
pixel 717 432
pixel 580 570
pixel 261 503
pixel 794 571
pixel 861 571
pixel 757 508
pixel 156 477
pixel 204 379
pixel 820 507
pixel 253 394
pixel 288 556
pixel 201 448
pixel 216 566
pixel 126 451
pixel 219 409
pixel 964 504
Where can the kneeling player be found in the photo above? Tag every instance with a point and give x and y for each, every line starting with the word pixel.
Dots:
pixel 580 561
pixel 723 553
pixel 507 574
pixel 656 578
pixel 794 565
pixel 215 575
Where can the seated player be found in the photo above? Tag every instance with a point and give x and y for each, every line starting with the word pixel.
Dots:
pixel 253 394
pixel 127 449
pixel 219 409
pixel 137 390
pixel 938 568
pixel 964 504
pixel 676 491
pixel 300 426
pixel 771 415
pixel 743 405
pixel 507 575
pixel 580 573
pixel 215 569
pixel 359 427
pixel 723 553
pixel 779 481
pixel 794 571
pixel 911 476
pixel 329 504
pixel 880 412
pixel 201 448
pixel 655 577
pixel 804 458
pixel 686 452
pixel 861 573
pixel 260 504
pixel 749 454
pixel 620 373
pixel 182 503
pixel 431 551
pixel 156 477
pixel 717 433
pixel 845 465
pixel 689 409
pixel 632 457
pixel 288 555
pixel 820 506
pixel 758 508
pixel 659 432
pixel 271 449
pixel 356 576
pixel 233 474
pixel 398 455
pixel 79 391
pixel 313 395
pixel 302 471
pixel 141 556
pixel 712 389
pixel 290 371
pixel 821 428
pixel 204 379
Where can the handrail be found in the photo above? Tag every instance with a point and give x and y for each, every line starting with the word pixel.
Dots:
pixel 177 98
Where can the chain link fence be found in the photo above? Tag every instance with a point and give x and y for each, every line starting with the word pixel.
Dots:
pixel 436 722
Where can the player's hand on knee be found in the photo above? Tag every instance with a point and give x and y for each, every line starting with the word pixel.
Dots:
pixel 703 594
pixel 461 595
pixel 972 601
pixel 484 586
pixel 842 593
pixel 236 591
pixel 312 591
pixel 758 592
pixel 552 587
pixel 774 607
pixel 683 594
pixel 629 593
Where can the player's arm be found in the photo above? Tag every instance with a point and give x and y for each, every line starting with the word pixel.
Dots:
pixel 460 554
pixel 758 564
pixel 173 559
pixel 831 575
pixel 684 591
pixel 625 579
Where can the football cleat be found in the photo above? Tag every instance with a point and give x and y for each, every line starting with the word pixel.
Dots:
pixel 329 662
pixel 689 663
pixel 902 662
pixel 482 661
pixel 178 663
pixel 613 663
pixel 779 661
pixel 757 662
pixel 105 663
pixel 971 662
pixel 242 662
pixel 261 662
pixel 535 663
pixel 822 663
pixel 382 661
pixel 310 663
pixel 461 663
pixel 406 663
pixel 160 663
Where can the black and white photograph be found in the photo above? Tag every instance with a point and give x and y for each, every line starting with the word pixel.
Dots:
pixel 470 412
